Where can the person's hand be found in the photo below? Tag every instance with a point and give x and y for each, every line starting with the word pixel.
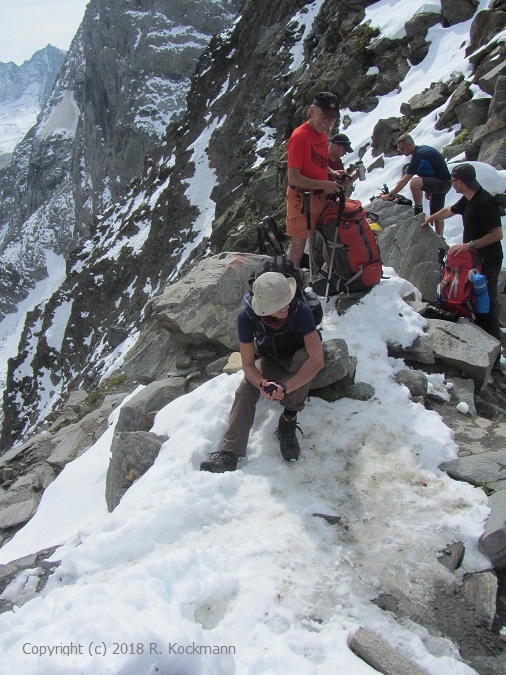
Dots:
pixel 272 391
pixel 330 187
pixel 335 174
pixel 458 248
pixel 386 198
pixel 428 220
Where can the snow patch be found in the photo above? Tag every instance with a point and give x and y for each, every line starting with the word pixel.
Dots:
pixel 56 332
pixel 390 16
pixel 303 22
pixel 63 118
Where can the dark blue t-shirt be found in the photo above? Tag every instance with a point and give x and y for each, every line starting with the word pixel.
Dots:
pixel 304 322
pixel 427 161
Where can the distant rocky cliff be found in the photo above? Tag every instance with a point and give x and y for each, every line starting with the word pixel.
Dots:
pixel 124 79
pixel 219 169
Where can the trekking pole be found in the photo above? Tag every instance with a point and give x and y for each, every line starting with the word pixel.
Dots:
pixel 342 198
pixel 441 257
pixel 307 208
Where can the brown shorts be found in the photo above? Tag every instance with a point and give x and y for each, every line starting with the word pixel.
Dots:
pixel 296 219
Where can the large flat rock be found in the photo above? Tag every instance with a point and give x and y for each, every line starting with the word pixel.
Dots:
pixel 489 468
pixel 203 306
pixel 464 346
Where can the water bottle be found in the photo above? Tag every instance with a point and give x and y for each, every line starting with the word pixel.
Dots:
pixel 361 170
pixel 311 298
pixel 481 292
pixel 438 296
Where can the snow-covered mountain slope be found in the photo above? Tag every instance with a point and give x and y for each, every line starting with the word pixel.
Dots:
pixel 248 560
pixel 240 561
pixel 24 91
pixel 223 167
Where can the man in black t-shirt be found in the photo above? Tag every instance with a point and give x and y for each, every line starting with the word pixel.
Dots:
pixel 482 232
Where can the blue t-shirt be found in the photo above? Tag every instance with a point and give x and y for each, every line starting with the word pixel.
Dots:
pixel 304 322
pixel 427 161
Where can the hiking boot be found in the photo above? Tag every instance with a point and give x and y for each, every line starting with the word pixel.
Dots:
pixel 417 209
pixel 288 443
pixel 219 462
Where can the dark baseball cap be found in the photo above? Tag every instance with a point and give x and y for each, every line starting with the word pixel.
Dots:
pixel 467 174
pixel 342 139
pixel 328 102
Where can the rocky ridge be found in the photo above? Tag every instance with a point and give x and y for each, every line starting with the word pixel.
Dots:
pixel 251 86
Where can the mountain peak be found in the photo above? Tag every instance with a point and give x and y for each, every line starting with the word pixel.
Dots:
pixel 24 91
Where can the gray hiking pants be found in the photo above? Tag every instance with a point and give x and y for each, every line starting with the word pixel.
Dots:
pixel 242 414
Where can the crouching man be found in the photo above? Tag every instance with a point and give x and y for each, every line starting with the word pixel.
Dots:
pixel 282 329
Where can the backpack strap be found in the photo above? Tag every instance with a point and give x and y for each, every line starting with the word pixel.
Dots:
pixel 261 335
pixel 454 284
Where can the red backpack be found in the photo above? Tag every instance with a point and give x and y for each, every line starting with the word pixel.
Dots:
pixel 357 263
pixel 457 290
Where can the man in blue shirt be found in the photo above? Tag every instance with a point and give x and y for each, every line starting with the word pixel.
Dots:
pixel 427 172
pixel 282 329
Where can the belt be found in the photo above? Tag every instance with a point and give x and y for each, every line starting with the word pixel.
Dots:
pixel 315 192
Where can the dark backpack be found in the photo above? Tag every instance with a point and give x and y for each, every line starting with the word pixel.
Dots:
pixel 456 288
pixel 284 343
pixel 357 263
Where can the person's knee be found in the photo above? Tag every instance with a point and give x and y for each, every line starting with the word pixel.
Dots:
pixel 416 182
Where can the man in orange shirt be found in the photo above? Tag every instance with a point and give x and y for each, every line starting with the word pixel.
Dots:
pixel 308 171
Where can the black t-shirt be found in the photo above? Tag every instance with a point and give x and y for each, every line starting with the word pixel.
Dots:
pixel 479 216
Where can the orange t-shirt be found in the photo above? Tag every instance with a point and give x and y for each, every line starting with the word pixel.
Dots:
pixel 308 152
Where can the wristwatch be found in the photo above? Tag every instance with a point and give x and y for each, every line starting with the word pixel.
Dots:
pixel 472 244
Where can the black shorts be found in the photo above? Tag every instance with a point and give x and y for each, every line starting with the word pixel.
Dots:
pixel 437 189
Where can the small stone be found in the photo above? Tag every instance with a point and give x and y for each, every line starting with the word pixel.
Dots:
pixel 203 354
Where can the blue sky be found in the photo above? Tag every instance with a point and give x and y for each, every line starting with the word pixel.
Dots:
pixel 29 25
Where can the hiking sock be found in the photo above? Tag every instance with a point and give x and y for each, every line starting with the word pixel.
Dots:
pixel 418 209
